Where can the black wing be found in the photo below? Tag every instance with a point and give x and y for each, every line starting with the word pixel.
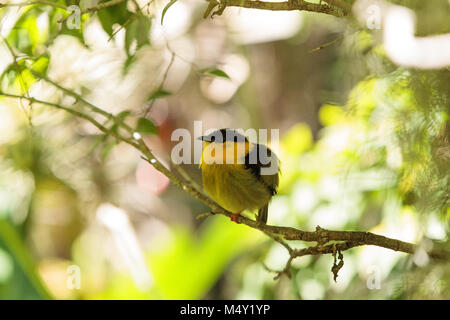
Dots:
pixel 264 165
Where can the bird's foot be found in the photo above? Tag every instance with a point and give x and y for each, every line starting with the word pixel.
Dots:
pixel 234 217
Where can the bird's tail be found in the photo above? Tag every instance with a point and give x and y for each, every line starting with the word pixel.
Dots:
pixel 263 214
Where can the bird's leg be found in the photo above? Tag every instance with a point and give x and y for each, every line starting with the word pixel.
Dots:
pixel 235 216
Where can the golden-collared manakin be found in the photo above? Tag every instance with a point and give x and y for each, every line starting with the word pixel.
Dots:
pixel 237 174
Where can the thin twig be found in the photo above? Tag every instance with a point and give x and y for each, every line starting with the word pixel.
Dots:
pixel 161 85
pixel 22 83
pixel 335 9
pixel 77 97
pixel 323 46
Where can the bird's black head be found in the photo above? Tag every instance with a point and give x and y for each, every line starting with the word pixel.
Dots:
pixel 223 135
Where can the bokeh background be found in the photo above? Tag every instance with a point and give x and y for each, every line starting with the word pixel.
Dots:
pixel 364 145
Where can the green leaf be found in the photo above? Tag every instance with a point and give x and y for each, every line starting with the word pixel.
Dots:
pixel 20 76
pixel 30 24
pixel 139 30
pixel 215 72
pixel 159 94
pixel 188 253
pixel 146 126
pixel 25 34
pixel 8 76
pixel 298 139
pixel 41 64
pixel 123 115
pixel 56 28
pixel 25 80
pixel 115 14
pixel 127 64
pixel 12 239
pixel 171 2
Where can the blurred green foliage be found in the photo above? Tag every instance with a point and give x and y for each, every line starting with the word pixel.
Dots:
pixel 364 146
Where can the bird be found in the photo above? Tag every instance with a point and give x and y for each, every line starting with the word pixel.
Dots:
pixel 236 173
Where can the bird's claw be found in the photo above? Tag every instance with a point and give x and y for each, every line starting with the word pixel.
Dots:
pixel 234 217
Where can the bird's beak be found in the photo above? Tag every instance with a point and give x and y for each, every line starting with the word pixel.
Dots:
pixel 203 138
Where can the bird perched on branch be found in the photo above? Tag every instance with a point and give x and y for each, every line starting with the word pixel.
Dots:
pixel 237 174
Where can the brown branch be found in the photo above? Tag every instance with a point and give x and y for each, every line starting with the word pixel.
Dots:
pixel 95 8
pixel 336 8
pixel 73 112
pixel 346 239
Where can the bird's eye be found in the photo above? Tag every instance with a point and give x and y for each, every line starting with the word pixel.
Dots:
pixel 213 139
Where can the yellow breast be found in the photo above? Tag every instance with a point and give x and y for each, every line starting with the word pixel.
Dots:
pixel 226 179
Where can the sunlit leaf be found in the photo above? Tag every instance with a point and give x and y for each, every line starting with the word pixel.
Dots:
pixel 298 139
pixel 12 239
pixel 329 114
pixel 24 35
pixel 362 98
pixel 25 80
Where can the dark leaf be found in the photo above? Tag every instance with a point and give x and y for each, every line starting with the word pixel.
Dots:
pixel 117 14
pixel 146 126
pixel 41 64
pixel 127 64
pixel 123 115
pixel 115 128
